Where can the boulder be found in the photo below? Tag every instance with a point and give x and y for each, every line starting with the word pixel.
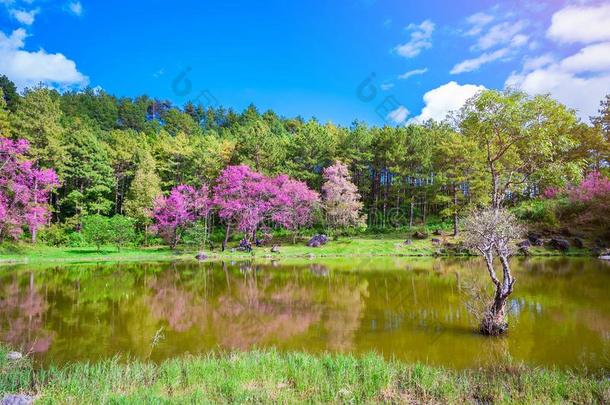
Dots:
pixel 559 244
pixel 13 356
pixel 535 239
pixel 420 235
pixel 436 241
pixel 438 232
pixel 604 254
pixel 201 256
pixel 317 240
pixel 578 243
pixel 524 244
pixel 275 249
pixel 17 399
pixel 407 242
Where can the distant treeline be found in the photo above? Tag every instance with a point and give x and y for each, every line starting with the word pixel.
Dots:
pixel 112 155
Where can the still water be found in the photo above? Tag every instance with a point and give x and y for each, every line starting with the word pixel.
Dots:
pixel 414 310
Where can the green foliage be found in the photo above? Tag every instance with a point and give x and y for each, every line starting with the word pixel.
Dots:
pixel 121 231
pixel 55 235
pixel 543 211
pixel 96 230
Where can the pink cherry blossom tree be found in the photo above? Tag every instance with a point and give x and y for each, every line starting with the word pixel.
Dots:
pixel 24 191
pixel 594 185
pixel 244 199
pixel 294 204
pixel 341 200
pixel 172 214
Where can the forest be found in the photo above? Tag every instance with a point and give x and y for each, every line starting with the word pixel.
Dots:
pixel 86 168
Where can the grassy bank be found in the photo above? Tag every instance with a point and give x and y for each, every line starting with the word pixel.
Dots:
pixel 370 245
pixel 272 377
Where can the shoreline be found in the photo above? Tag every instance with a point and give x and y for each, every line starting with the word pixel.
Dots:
pixel 356 247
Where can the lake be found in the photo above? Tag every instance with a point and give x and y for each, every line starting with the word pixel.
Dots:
pixel 403 308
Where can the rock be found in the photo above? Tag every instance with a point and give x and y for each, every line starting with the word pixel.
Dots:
pixel 13 356
pixel 407 242
pixel 524 244
pixel 232 250
pixel 535 239
pixel 578 243
pixel 317 240
pixel 559 244
pixel 436 241
pixel 17 399
pixel 201 256
pixel 420 235
pixel 524 250
pixel 438 232
pixel 275 249
pixel 604 254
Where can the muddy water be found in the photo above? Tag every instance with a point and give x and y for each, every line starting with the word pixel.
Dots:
pixel 413 310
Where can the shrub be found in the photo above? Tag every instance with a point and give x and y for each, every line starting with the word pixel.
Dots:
pixel 540 210
pixel 96 230
pixel 55 235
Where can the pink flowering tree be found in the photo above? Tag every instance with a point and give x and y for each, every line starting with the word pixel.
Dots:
pixel 174 213
pixel 594 185
pixel 24 191
pixel 244 199
pixel 293 204
pixel 341 200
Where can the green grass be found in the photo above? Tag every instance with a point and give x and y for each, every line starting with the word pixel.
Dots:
pixel 273 377
pixel 367 245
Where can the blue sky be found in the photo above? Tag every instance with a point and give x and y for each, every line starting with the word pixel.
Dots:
pixel 372 60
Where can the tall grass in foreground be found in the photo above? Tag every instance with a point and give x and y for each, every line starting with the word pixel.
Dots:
pixel 273 377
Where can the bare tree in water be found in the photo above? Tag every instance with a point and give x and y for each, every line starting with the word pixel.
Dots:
pixel 490 232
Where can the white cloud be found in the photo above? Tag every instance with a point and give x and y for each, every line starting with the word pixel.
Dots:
pixel 24 17
pixel 446 98
pixel 592 58
pixel 538 62
pixel 420 39
pixel 477 22
pixel 470 65
pixel 399 115
pixel 584 24
pixel 76 7
pixel 27 68
pixel 413 72
pixel 500 34
pixel 579 81
pixel 582 94
pixel 386 86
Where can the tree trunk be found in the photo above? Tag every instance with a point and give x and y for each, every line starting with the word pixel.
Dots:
pixel 494 320
pixel 224 243
pixel 455 212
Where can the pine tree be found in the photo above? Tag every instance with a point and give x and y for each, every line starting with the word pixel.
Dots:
pixel 145 187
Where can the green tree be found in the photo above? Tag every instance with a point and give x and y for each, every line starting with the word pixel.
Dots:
pixel 145 187
pixel 518 136
pixel 121 231
pixel 96 230
pixel 88 171
pixel 5 125
pixel 9 93
pixel 460 175
pixel 38 119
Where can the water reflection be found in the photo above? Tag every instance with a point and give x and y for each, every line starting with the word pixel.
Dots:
pixel 408 309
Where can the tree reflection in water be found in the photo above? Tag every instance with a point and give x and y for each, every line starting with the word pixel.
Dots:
pixel 22 310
